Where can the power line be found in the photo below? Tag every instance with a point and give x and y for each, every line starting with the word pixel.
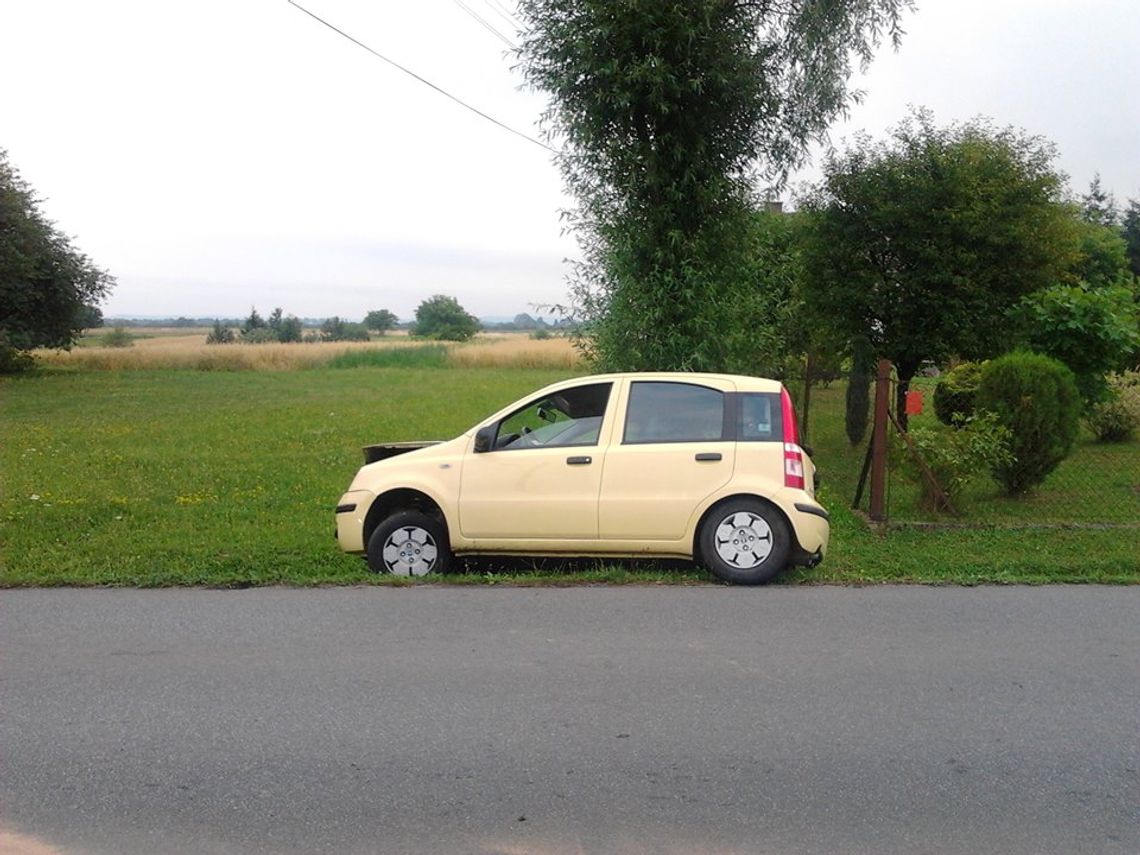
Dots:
pixel 484 23
pixel 502 11
pixel 411 73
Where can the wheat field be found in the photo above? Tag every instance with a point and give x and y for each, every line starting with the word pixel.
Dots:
pixel 160 348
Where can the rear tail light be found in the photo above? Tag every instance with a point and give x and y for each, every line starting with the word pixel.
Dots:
pixel 793 454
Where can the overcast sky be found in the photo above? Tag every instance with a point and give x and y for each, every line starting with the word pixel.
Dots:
pixel 219 154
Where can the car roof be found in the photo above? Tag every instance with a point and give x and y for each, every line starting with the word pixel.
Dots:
pixel 743 382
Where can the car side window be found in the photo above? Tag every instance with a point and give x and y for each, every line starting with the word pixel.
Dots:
pixel 673 412
pixel 760 417
pixel 566 418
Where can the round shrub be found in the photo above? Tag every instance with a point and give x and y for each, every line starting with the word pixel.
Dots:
pixel 1036 398
pixel 1116 418
pixel 954 393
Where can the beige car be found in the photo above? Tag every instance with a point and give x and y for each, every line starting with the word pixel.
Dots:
pixel 697 466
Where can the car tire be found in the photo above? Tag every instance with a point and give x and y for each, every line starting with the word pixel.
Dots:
pixel 409 543
pixel 745 542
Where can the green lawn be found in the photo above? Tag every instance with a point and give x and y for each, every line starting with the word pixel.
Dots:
pixel 229 479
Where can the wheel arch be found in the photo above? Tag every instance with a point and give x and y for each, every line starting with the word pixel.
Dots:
pixel 402 499
pixel 699 557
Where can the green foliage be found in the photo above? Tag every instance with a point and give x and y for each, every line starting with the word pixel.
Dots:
pixel 259 335
pixel 540 334
pixel 857 398
pixel 425 356
pixel 47 287
pixel 1130 230
pixel 253 322
pixel 1098 206
pixel 1103 259
pixel 1091 331
pixel 661 112
pixel 220 334
pixel 955 456
pixel 289 330
pixel 91 317
pixel 380 320
pixel 117 337
pixel 954 393
pixel 1116 418
pixel 442 317
pixel 922 242
pixel 1036 398
pixel 338 329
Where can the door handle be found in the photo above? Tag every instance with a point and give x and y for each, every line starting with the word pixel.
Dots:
pixel 708 455
pixel 579 461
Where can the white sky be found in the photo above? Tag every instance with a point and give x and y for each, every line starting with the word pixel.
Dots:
pixel 219 154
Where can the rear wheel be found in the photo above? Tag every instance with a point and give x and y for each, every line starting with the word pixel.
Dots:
pixel 409 543
pixel 745 542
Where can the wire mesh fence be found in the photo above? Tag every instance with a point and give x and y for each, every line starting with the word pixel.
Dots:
pixel 1096 485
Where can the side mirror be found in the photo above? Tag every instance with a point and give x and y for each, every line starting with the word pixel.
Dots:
pixel 485 438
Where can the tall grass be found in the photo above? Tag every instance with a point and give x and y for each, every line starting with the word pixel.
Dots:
pixel 190 352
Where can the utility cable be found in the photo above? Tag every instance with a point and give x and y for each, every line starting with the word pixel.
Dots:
pixel 484 23
pixel 502 11
pixel 411 73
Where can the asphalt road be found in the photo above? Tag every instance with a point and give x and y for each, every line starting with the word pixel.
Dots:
pixel 655 720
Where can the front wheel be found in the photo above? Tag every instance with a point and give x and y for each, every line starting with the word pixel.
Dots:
pixel 745 542
pixel 409 543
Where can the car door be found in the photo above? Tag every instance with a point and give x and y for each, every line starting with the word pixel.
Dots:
pixel 673 448
pixel 540 477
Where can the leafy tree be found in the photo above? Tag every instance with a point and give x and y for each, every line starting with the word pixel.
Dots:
pixel 442 317
pixel 1092 331
pixel 275 320
pixel 289 329
pixel 92 317
pixel 253 322
pixel 1130 229
pixel 380 320
pixel 338 329
pixel 920 244
pixel 1103 259
pixel 663 112
pixel 47 286
pixel 1099 205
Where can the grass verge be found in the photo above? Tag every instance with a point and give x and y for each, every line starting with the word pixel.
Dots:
pixel 181 477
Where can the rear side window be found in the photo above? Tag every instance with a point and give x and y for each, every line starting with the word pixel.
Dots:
pixel 674 412
pixel 759 417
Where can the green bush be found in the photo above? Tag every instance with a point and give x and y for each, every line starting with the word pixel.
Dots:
pixel 978 444
pixel 1036 398
pixel 117 337
pixel 955 391
pixel 259 335
pixel 1116 419
pixel 1091 330
pixel 220 334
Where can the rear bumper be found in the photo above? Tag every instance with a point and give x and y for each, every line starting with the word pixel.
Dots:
pixel 812 530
